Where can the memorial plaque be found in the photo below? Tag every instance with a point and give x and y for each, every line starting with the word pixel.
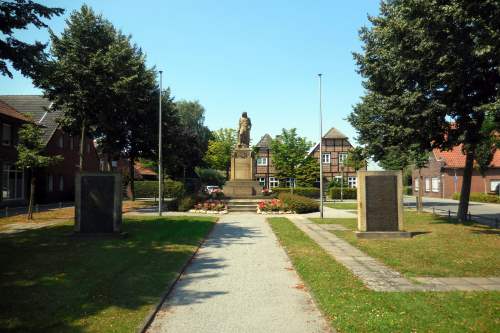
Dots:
pixel 98 203
pixel 380 204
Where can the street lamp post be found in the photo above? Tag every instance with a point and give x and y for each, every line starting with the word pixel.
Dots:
pixel 160 166
pixel 320 151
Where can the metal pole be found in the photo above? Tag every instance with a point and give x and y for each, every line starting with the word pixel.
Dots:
pixel 320 151
pixel 160 166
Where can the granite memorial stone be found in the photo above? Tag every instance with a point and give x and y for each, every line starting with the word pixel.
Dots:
pixel 98 203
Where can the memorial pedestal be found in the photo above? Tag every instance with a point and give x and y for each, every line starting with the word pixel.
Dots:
pixel 242 183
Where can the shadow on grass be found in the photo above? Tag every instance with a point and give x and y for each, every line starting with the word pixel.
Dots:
pixel 51 282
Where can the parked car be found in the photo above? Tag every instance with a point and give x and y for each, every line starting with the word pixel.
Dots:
pixel 211 188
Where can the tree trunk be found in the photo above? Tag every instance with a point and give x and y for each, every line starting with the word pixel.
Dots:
pixel 420 204
pixel 82 144
pixel 110 163
pixel 32 197
pixel 131 176
pixel 463 206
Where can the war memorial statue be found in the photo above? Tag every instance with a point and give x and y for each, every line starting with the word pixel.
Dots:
pixel 242 181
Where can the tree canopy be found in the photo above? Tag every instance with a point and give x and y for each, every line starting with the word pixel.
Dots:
pixel 220 147
pixel 20 14
pixel 431 73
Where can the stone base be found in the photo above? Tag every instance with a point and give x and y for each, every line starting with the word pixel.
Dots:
pixel 382 234
pixel 99 235
pixel 242 188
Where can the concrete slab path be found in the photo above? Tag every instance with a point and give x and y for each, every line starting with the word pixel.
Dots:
pixel 241 280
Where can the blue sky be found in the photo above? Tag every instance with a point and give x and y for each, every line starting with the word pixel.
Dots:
pixel 233 56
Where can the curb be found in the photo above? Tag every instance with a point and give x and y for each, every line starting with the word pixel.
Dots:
pixel 151 315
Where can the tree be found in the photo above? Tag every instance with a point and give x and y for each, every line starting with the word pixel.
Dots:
pixel 307 172
pixel 20 14
pixel 77 78
pixel 487 147
pixel 220 147
pixel 289 152
pixel 356 159
pixel 30 150
pixel 432 67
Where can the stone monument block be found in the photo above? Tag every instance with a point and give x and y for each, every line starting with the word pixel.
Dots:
pixel 380 205
pixel 98 203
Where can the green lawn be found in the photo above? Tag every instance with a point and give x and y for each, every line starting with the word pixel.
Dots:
pixel 343 205
pixel 50 282
pixel 443 249
pixel 350 307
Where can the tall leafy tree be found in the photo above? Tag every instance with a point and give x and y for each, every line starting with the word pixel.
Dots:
pixel 289 152
pixel 220 147
pixel 31 156
pixel 77 78
pixel 307 172
pixel 20 14
pixel 356 159
pixel 433 68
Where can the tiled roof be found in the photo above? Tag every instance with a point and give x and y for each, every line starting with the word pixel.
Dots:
pixel 455 158
pixel 265 141
pixel 334 133
pixel 9 111
pixel 37 107
pixel 142 170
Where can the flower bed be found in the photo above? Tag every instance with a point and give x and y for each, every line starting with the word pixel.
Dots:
pixel 210 207
pixel 273 206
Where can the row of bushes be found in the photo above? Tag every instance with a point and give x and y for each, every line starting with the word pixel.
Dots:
pixel 149 189
pixel 347 193
pixel 480 197
pixel 310 192
pixel 298 203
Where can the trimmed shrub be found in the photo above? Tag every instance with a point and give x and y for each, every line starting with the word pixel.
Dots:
pixel 149 189
pixel 479 197
pixel 348 193
pixel 310 192
pixel 186 204
pixel 298 203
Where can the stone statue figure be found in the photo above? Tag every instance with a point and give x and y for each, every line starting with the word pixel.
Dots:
pixel 244 131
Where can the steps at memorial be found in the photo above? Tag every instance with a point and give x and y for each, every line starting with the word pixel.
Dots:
pixel 242 205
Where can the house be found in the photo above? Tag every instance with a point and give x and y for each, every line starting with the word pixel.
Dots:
pixel 12 180
pixel 335 147
pixel 54 183
pixel 443 175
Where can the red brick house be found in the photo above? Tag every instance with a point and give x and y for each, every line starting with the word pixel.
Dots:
pixel 335 148
pixel 443 175
pixel 12 180
pixel 54 183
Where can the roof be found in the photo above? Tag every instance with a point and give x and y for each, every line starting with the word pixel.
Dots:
pixel 9 111
pixel 142 170
pixel 265 141
pixel 37 107
pixel 455 158
pixel 334 133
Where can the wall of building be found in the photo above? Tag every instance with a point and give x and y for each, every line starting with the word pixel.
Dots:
pixel 334 147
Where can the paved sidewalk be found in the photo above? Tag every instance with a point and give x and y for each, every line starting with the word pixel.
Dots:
pixel 240 281
pixel 380 277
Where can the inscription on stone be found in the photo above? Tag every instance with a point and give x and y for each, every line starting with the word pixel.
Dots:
pixel 381 203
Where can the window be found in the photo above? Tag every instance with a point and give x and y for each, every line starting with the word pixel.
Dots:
pixel 114 164
pixel 6 135
pixel 12 183
pixel 51 183
pixel 262 181
pixel 273 182
pixel 326 158
pixel 60 141
pixel 416 184
pixel 435 184
pixel 342 158
pixel 495 185
pixel 352 182
pixel 61 183
pixel 289 182
pixel 261 160
pixel 427 184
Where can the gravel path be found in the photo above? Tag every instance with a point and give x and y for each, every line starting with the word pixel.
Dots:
pixel 240 281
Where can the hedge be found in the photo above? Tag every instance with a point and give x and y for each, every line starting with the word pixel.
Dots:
pixel 408 190
pixel 298 203
pixel 348 193
pixel 149 189
pixel 310 192
pixel 480 197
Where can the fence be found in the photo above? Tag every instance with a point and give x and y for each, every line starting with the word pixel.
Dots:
pixel 11 211
pixel 481 219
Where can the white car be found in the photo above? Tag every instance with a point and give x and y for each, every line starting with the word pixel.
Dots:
pixel 211 188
